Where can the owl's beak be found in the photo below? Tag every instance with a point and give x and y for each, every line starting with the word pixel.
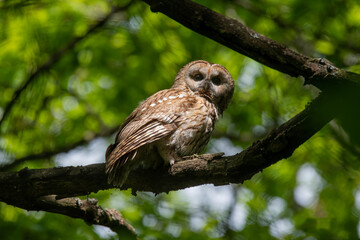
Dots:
pixel 207 84
pixel 205 91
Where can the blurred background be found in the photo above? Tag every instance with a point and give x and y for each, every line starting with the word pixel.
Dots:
pixel 77 69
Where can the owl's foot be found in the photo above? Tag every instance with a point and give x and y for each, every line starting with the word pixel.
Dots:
pixel 180 159
pixel 175 159
pixel 169 157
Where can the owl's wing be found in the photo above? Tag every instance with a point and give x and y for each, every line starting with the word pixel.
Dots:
pixel 143 127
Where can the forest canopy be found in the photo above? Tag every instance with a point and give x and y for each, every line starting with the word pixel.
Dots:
pixel 72 71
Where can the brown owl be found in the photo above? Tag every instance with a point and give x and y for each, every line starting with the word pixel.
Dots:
pixel 172 123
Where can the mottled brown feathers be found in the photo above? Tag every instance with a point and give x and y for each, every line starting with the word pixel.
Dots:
pixel 172 123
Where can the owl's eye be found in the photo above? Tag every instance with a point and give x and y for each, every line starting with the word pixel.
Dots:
pixel 198 77
pixel 216 80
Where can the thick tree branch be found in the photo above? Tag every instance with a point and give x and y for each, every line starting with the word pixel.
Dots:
pixel 17 187
pixel 235 35
pixel 53 59
pixel 88 210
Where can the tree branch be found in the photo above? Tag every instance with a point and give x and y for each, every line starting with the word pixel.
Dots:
pixel 233 34
pixel 88 210
pixel 56 57
pixel 17 187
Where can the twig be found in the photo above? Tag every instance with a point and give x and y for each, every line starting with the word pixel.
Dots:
pixel 56 57
pixel 88 210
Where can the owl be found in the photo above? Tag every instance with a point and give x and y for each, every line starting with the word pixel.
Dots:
pixel 172 123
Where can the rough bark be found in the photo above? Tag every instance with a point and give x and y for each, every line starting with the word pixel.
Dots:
pixel 85 209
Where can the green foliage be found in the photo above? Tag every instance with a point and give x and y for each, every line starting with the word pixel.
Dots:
pixel 93 87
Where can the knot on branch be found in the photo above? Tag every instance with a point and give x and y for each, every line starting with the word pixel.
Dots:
pixel 324 68
pixel 325 74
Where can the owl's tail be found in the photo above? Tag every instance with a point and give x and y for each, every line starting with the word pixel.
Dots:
pixel 118 169
pixel 118 177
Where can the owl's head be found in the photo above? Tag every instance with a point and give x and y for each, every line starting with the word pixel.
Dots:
pixel 211 81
